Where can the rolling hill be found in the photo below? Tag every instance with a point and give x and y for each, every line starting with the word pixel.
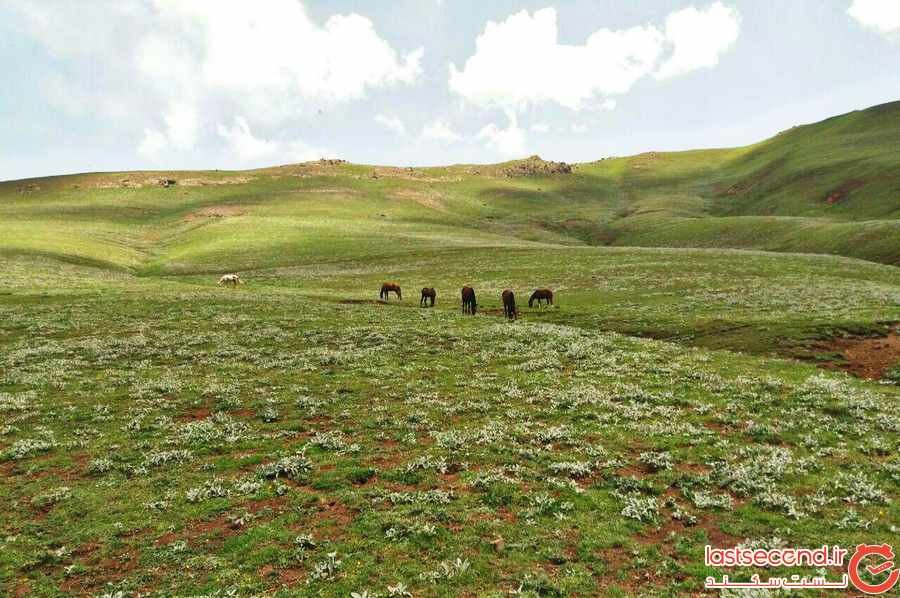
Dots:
pixel 832 187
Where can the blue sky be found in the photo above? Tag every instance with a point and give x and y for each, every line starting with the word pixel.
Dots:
pixel 146 84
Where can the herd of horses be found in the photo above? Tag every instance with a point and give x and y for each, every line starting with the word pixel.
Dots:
pixel 469 304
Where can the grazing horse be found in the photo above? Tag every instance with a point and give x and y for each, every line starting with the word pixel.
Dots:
pixel 387 288
pixel 509 305
pixel 468 300
pixel 541 295
pixel 427 293
pixel 230 280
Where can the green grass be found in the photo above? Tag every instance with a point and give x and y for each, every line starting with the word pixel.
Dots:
pixel 163 435
pixel 144 417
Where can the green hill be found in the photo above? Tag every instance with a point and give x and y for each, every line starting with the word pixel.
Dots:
pixel 831 187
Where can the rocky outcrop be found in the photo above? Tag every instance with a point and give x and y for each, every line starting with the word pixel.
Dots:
pixel 536 166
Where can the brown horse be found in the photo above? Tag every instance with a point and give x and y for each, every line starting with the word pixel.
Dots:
pixel 541 295
pixel 427 293
pixel 509 305
pixel 468 300
pixel 387 288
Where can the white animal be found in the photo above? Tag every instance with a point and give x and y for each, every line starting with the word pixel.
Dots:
pixel 231 279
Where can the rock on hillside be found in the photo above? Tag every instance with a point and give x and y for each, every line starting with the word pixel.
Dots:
pixel 535 166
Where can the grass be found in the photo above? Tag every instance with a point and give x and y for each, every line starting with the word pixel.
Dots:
pixel 162 435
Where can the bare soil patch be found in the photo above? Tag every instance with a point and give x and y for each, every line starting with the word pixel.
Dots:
pixel 215 212
pixel 841 193
pixel 197 414
pixel 136 182
pixel 428 199
pixel 411 174
pixel 867 357
pixel 223 526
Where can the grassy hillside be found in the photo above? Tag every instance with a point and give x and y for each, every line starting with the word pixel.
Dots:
pixel 162 435
pixel 292 437
pixel 831 187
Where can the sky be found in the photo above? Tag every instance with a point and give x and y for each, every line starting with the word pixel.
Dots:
pixel 92 85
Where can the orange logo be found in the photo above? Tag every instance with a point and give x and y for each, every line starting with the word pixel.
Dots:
pixel 882 565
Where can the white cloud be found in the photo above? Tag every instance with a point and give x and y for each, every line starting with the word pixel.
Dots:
pixel 243 143
pixel 509 142
pixel 392 123
pixel 520 62
pixel 181 126
pixel 881 15
pixel 440 131
pixel 153 143
pixel 300 151
pixel 180 130
pixel 698 38
pixel 275 48
pixel 247 147
pixel 540 128
pixel 157 64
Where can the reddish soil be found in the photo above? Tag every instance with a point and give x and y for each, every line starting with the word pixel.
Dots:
pixel 717 538
pixel 864 357
pixel 716 427
pixel 632 471
pixel 640 580
pixel 100 572
pixel 195 414
pixel 841 193
pixel 290 576
pixel 221 527
pixel 693 468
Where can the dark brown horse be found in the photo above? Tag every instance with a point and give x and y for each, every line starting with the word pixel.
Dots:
pixel 427 293
pixel 541 295
pixel 468 300
pixel 509 305
pixel 387 288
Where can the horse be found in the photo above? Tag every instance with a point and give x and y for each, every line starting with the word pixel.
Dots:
pixel 541 295
pixel 231 280
pixel 509 305
pixel 387 288
pixel 427 293
pixel 468 300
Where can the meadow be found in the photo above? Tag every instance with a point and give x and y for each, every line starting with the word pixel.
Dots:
pixel 294 436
